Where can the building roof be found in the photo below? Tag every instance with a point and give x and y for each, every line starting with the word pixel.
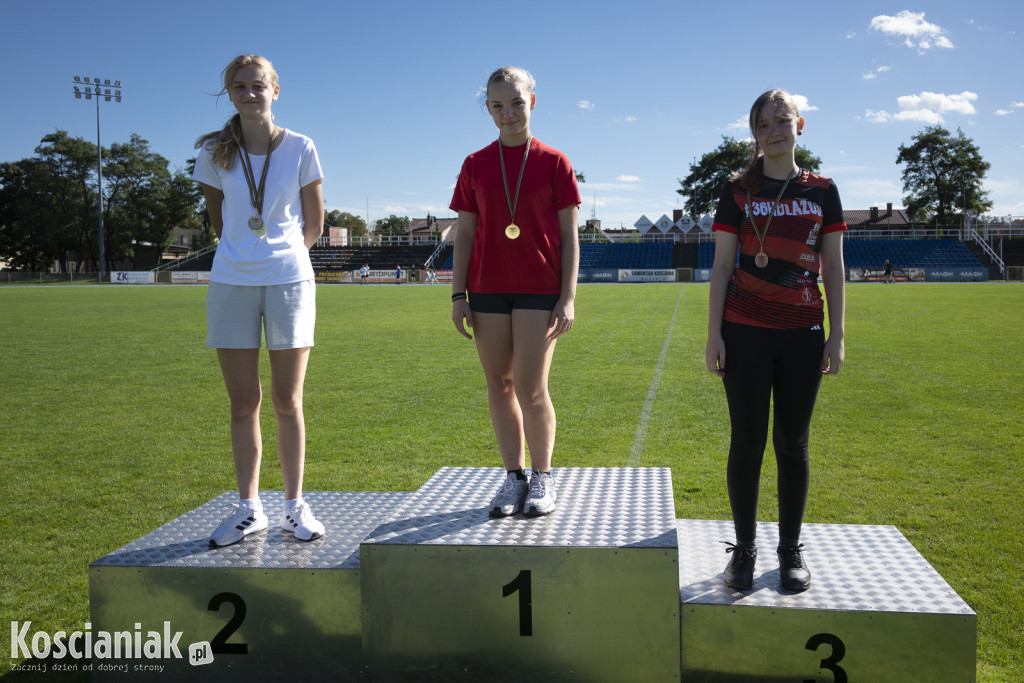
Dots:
pixel 875 216
pixel 430 224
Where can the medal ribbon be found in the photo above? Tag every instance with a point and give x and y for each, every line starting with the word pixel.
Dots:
pixel 512 204
pixel 750 214
pixel 256 193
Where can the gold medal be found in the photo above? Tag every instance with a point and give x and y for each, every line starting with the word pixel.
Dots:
pixel 512 231
pixel 761 260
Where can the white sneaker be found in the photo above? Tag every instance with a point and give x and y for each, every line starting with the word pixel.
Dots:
pixel 509 498
pixel 541 498
pixel 237 526
pixel 302 523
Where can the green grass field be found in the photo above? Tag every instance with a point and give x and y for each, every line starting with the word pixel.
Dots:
pixel 113 421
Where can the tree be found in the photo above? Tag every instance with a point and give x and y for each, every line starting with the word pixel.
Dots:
pixel 144 202
pixel 343 219
pixel 48 203
pixel 943 176
pixel 579 177
pixel 703 186
pixel 392 225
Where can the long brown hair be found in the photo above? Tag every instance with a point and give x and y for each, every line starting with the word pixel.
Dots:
pixel 750 177
pixel 224 143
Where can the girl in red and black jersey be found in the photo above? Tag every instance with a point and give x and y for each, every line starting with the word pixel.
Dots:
pixel 514 282
pixel 765 325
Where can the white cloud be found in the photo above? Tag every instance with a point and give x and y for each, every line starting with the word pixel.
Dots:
pixel 628 179
pixel 937 102
pixel 877 116
pixel 926 107
pixel 1002 112
pixel 739 124
pixel 1017 104
pixel 928 116
pixel 802 104
pixel 585 104
pixel 874 74
pixel 850 34
pixel 624 119
pixel 917 32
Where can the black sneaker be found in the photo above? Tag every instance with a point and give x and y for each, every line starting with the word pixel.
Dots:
pixel 793 572
pixel 739 573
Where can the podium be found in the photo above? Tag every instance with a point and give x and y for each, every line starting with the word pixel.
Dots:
pixel 424 585
pixel 270 607
pixel 588 593
pixel 876 611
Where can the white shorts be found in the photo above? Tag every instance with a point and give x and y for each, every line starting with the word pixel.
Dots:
pixel 236 315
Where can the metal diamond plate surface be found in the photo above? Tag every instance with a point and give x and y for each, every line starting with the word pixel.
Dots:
pixel 597 507
pixel 183 542
pixel 853 567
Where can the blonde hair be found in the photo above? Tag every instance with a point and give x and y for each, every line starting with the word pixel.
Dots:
pixel 224 143
pixel 750 177
pixel 510 74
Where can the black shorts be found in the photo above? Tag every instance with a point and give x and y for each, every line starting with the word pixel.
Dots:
pixel 505 303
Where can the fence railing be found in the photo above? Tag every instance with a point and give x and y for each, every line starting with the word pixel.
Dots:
pixel 379 241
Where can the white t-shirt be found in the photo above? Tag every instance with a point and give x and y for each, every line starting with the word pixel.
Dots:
pixel 280 257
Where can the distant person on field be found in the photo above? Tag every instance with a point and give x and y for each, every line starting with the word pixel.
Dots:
pixel 765 319
pixel 514 282
pixel 887 277
pixel 262 185
pixel 398 274
pixel 364 274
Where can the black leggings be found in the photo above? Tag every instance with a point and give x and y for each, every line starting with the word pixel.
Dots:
pixel 761 363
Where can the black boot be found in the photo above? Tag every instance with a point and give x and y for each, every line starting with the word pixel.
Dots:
pixel 792 570
pixel 739 573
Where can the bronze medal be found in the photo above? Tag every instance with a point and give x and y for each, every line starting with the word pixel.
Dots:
pixel 512 231
pixel 761 259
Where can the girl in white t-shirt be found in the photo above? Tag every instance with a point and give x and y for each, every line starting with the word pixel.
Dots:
pixel 263 190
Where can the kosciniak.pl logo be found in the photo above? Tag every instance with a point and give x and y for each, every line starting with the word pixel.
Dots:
pixel 101 645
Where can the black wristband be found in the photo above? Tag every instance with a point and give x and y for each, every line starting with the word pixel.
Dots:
pixel 459 296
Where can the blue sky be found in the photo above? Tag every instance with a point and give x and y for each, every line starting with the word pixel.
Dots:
pixel 631 91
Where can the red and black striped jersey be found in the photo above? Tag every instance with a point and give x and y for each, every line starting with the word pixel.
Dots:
pixel 784 294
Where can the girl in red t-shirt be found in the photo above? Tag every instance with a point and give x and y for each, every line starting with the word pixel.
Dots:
pixel 514 282
pixel 765 320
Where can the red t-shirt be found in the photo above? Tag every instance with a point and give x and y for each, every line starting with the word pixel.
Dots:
pixel 784 294
pixel 532 263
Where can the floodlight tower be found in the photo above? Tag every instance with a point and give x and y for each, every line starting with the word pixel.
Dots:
pixel 99 90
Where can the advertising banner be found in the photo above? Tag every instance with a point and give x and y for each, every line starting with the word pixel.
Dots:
pixel 131 277
pixel 702 275
pixel 333 277
pixel 441 277
pixel 598 275
pixel 379 277
pixel 878 275
pixel 190 277
pixel 956 275
pixel 648 275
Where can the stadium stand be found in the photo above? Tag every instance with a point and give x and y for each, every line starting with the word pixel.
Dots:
pixel 378 258
pixel 943 253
